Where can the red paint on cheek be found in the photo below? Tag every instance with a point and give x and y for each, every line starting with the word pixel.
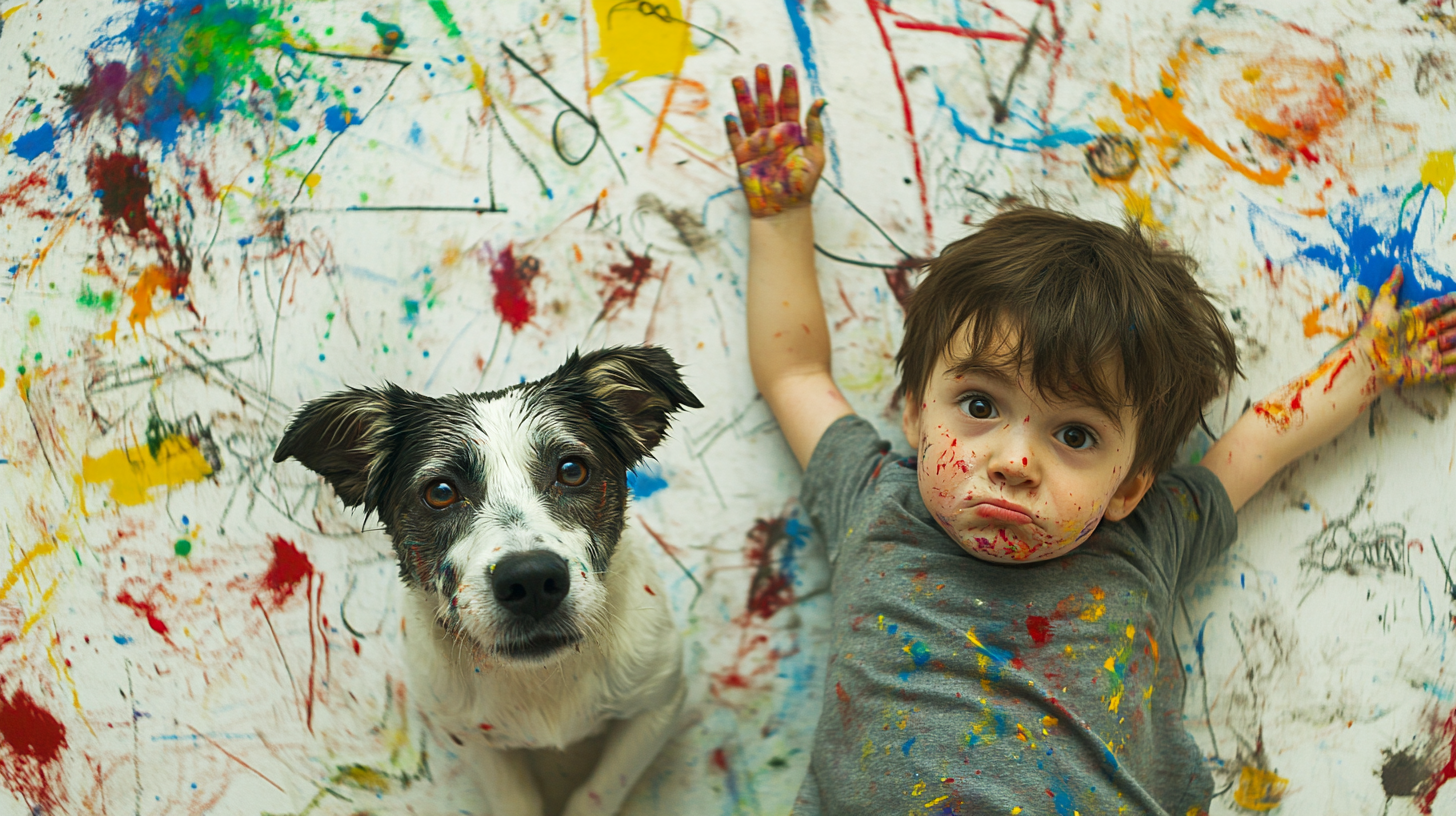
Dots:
pixel 1023 461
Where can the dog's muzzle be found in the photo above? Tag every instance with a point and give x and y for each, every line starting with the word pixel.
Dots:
pixel 531 586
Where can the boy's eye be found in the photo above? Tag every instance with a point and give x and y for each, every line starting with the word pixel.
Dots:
pixel 1075 437
pixel 978 408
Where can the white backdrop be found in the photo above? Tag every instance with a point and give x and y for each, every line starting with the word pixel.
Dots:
pixel 213 211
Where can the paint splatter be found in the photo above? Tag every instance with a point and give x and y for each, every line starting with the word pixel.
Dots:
pixel 773 549
pixel 146 609
pixel 31 739
pixel 289 568
pixel 1258 789
pixel 624 281
pixel 122 183
pixel 1039 628
pixel 133 472
pixel 645 480
pixel 36 143
pixel 639 40
pixel 514 301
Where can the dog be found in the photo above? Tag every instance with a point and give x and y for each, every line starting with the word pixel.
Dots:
pixel 534 619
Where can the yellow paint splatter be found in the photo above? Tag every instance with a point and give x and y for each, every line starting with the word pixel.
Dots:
pixel 1439 171
pixel 640 40
pixel 1093 612
pixel 312 180
pixel 43 548
pixel 933 802
pixel 133 472
pixel 363 778
pixel 1259 789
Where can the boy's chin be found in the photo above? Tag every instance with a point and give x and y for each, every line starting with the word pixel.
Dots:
pixel 999 546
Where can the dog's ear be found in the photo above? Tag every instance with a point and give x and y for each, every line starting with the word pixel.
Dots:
pixel 639 385
pixel 341 437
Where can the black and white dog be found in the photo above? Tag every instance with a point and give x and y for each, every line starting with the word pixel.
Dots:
pixel 534 618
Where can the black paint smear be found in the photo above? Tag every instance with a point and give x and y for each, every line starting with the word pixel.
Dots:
pixel 1407 772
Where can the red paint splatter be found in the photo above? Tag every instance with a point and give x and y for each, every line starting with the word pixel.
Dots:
pixel 514 301
pixel 649 590
pixel 486 726
pixel 356 645
pixel 289 568
pixel 720 760
pixel 148 610
pixel 624 281
pixel 1039 628
pixel 18 194
pixel 770 590
pixel 877 7
pixel 1443 774
pixel 31 739
pixel 1341 367
pixel 123 183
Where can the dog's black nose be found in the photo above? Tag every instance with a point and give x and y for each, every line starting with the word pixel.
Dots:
pixel 531 583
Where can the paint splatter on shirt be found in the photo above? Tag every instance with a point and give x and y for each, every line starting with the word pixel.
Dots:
pixel 964 686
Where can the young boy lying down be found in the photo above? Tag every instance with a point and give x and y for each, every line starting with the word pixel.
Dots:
pixel 1004 595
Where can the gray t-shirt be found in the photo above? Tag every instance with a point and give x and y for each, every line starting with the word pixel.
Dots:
pixel 960 686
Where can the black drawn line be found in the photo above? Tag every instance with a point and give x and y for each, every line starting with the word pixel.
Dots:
pixel 382 96
pixel 401 208
pixel 572 109
pixel 1002 113
pixel 865 216
pixel 662 13
pixel 1339 547
pixel 852 262
pixel 496 121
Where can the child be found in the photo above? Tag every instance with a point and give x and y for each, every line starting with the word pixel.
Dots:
pixel 1003 599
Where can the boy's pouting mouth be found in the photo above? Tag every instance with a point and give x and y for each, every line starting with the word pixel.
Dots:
pixel 1012 474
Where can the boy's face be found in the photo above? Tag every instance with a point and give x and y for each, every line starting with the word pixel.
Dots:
pixel 1014 475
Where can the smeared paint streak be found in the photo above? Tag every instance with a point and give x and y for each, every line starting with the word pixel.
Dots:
pixel 31 738
pixel 1289 100
pixel 391 36
pixel 805 40
pixel 1164 123
pixel 1258 789
pixel 31 146
pixel 877 8
pixel 133 472
pixel 645 480
pixel 289 567
pixel 1039 628
pixel 1407 772
pixel 1056 137
pixel 514 301
pixel 1362 240
pixel 773 549
pixel 1443 774
pixel 148 610
pixel 639 40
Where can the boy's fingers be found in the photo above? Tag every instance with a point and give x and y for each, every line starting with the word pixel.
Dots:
pixel 814 124
pixel 763 87
pixel 1447 341
pixel 1391 288
pixel 789 96
pixel 1442 309
pixel 735 136
pixel 746 111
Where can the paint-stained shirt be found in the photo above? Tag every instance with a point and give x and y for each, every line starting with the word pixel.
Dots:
pixel 956 685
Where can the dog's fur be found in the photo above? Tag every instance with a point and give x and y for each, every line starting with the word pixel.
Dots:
pixel 498 680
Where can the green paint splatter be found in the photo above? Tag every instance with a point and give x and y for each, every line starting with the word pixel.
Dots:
pixel 106 301
pixel 183 547
pixel 446 18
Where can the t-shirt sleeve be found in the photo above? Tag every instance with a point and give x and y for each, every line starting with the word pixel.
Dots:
pixel 1189 521
pixel 848 457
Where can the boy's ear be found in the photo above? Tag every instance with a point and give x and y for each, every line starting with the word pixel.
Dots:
pixel 636 389
pixel 1128 494
pixel 910 422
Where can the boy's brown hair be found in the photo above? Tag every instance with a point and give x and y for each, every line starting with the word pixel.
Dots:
pixel 1063 297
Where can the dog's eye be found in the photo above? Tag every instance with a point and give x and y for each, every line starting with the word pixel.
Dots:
pixel 441 495
pixel 571 473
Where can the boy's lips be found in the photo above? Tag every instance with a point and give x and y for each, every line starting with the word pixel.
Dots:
pixel 1004 511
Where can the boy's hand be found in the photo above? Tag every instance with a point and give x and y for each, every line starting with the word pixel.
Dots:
pixel 778 161
pixel 1413 345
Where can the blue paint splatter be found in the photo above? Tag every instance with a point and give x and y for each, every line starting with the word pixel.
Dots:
pixel 121 639
pixel 31 146
pixel 905 749
pixel 1056 137
pixel 416 134
pixel 919 653
pixel 1361 240
pixel 339 117
pixel 644 481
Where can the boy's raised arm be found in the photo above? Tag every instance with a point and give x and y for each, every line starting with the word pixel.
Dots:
pixel 1392 346
pixel 788 339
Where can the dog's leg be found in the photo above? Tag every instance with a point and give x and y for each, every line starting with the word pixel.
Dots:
pixel 630 747
pixel 503 778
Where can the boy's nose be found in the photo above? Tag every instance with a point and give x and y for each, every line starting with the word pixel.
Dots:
pixel 1014 464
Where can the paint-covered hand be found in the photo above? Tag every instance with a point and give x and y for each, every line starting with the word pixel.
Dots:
pixel 1412 345
pixel 779 161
